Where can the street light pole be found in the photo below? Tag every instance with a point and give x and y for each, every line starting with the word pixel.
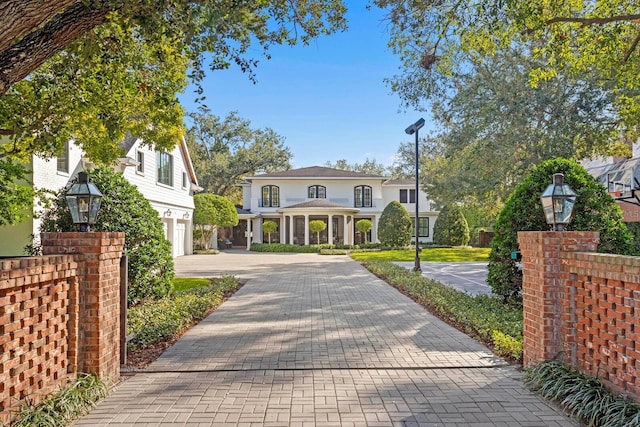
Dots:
pixel 409 131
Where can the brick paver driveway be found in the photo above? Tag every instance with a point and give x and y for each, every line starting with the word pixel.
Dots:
pixel 318 340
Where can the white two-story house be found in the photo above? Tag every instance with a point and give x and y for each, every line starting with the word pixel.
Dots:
pixel 166 179
pixel 340 198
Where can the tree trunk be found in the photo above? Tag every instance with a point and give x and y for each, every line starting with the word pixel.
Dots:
pixel 19 59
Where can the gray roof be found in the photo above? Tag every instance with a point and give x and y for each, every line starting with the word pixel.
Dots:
pixel 316 172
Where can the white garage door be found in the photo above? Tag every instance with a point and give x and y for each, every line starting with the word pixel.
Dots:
pixel 178 241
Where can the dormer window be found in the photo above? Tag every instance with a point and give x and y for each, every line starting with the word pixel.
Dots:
pixel 317 192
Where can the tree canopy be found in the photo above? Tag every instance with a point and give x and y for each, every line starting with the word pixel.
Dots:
pixel 212 211
pixel 438 40
pixel 224 151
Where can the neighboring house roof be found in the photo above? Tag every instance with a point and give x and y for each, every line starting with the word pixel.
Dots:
pixel 316 172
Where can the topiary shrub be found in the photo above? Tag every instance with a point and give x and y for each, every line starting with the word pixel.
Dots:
pixel 595 210
pixel 124 209
pixel 363 226
pixel 395 226
pixel 451 227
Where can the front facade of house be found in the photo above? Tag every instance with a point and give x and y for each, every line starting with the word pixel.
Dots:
pixel 166 179
pixel 294 198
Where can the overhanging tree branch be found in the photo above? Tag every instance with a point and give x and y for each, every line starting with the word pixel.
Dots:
pixel 592 21
pixel 19 60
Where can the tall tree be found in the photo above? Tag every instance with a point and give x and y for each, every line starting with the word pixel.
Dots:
pixel 226 150
pixel 496 127
pixel 438 40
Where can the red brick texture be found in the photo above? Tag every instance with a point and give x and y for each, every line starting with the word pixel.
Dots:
pixel 59 315
pixel 582 306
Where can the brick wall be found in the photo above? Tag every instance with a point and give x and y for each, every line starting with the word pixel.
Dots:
pixel 59 315
pixel 582 306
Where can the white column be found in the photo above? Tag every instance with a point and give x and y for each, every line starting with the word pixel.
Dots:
pixel 347 237
pixel 249 220
pixel 291 229
pixel 283 228
pixel 330 235
pixel 306 229
pixel 374 229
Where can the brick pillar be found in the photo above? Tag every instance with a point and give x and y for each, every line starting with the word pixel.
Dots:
pixel 543 288
pixel 98 302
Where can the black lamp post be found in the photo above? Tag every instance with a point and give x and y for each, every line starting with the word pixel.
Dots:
pixel 410 131
pixel 84 200
pixel 558 201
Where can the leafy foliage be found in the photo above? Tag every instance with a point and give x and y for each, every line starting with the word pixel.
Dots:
pixel 156 321
pixel 482 316
pixel 61 408
pixel 17 198
pixel 212 211
pixel 363 226
pixel 582 396
pixel 451 227
pixel 284 247
pixel 226 150
pixel 124 209
pixel 317 226
pixel 594 210
pixel 394 228
pixel 438 41
pixel 368 166
pixel 269 227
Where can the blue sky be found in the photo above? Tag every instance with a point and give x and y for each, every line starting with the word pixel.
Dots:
pixel 327 99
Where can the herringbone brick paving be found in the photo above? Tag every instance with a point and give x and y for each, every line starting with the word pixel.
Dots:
pixel 317 340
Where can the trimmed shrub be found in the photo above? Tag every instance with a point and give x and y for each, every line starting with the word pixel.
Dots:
pixel 317 226
pixel 124 209
pixel 451 227
pixel 395 226
pixel 363 226
pixel 594 210
pixel 157 321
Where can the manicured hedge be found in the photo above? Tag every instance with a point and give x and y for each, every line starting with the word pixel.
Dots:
pixel 484 317
pixel 160 320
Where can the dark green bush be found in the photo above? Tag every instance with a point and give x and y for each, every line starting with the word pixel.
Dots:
pixel 156 321
pixel 594 210
pixel 286 247
pixel 124 209
pixel 61 408
pixel 451 227
pixel 581 396
pixel 482 316
pixel 395 225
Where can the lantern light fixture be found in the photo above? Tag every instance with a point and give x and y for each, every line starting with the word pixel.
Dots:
pixel 83 199
pixel 558 201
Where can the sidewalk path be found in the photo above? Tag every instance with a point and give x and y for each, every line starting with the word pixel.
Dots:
pixel 317 340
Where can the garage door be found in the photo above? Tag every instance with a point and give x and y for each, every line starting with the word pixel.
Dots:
pixel 179 239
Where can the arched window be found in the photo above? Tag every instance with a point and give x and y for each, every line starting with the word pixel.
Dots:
pixel 362 196
pixel 317 192
pixel 270 196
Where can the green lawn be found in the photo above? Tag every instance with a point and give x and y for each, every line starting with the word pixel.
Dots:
pixel 184 283
pixel 428 254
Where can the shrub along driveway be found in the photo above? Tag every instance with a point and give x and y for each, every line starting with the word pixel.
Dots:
pixel 318 340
